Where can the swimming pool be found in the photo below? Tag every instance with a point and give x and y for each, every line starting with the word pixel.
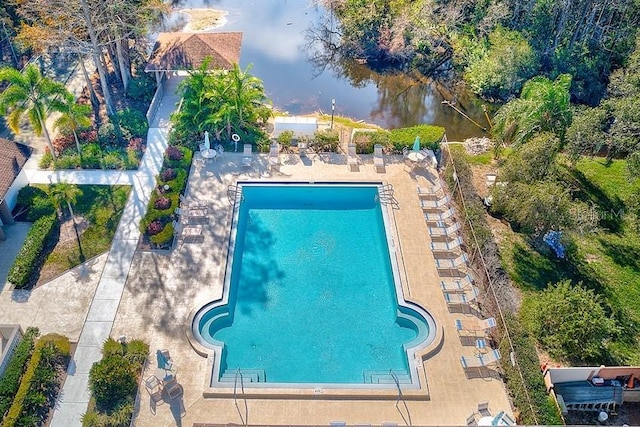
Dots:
pixel 312 294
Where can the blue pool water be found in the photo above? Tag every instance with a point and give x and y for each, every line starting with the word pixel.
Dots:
pixel 311 294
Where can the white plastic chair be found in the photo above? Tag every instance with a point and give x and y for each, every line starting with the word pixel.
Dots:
pixel 247 156
pixel 378 159
pixel 352 158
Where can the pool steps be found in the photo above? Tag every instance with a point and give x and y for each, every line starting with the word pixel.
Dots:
pixel 248 376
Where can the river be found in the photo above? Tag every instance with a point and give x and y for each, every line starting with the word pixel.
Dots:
pixel 276 45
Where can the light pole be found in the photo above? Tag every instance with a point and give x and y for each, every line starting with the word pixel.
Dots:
pixel 333 109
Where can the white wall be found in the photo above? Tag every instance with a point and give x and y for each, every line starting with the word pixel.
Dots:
pixel 300 126
pixel 11 198
pixel 561 375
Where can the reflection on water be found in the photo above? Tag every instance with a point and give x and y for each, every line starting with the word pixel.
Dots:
pixel 275 44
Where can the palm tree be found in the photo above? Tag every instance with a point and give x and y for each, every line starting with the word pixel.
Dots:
pixel 30 93
pixel 68 193
pixel 73 117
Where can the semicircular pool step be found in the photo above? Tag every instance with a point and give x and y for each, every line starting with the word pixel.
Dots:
pixel 248 376
pixel 386 377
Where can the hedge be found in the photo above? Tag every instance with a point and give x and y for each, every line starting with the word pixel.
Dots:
pixel 29 258
pixel 366 140
pixel 536 396
pixel 430 137
pixel 39 385
pixel 10 381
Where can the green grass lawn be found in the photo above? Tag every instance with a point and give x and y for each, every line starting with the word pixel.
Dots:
pixel 607 260
pixel 101 207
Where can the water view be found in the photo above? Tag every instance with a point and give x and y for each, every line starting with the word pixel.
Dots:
pixel 276 42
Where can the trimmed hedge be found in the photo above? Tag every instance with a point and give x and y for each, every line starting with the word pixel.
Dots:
pixel 366 140
pixel 10 381
pixel 40 383
pixel 430 137
pixel 30 257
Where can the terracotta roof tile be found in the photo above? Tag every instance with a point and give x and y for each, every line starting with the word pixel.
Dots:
pixel 183 51
pixel 13 156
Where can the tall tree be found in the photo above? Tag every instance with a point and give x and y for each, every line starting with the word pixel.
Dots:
pixel 73 116
pixel 30 94
pixel 67 193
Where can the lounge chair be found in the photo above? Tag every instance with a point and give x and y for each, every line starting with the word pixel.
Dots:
pixel 187 233
pixel 191 212
pixel 193 205
pixel 431 192
pixel 508 420
pixel 378 159
pixel 481 361
pixel 447 246
pixel 352 158
pixel 475 325
pixel 471 420
pixel 483 409
pixel 302 149
pixel 460 299
pixel 439 217
pixel 274 157
pixel 174 389
pixel 247 156
pixel 457 285
pixel 154 387
pixel 439 205
pixel 451 230
pixel 452 263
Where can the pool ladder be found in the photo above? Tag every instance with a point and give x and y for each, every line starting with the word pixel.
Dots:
pixel 233 191
pixel 245 418
pixel 407 419
pixel 385 193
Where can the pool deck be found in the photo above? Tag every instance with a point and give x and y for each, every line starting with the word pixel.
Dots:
pixel 163 289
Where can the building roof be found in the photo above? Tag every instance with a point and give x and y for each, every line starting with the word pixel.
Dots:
pixel 184 51
pixel 13 156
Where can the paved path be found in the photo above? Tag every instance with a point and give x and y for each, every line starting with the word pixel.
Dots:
pixel 74 398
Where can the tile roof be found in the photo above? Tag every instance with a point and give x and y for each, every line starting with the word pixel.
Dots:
pixel 13 156
pixel 183 51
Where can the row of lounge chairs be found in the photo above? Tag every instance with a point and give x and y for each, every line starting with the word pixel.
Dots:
pixel 183 229
pixel 457 283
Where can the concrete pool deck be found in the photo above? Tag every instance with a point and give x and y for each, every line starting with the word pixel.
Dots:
pixel 162 290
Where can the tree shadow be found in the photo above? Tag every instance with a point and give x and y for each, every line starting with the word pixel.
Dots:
pixel 623 254
pixel 610 210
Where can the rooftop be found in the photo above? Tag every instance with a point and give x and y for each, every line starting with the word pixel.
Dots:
pixel 13 156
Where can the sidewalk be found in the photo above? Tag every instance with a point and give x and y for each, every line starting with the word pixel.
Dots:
pixel 74 397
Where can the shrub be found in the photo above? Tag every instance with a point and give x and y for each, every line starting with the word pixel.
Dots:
pixel 178 158
pixel 142 88
pixel 107 134
pixel 36 201
pixel 532 394
pixel 132 123
pixel 88 136
pixel 38 387
pixel 155 227
pixel 29 259
pixel 10 381
pixel 366 140
pixel 135 144
pixel 91 156
pixel 164 237
pixel 112 347
pixel 46 160
pixel 69 160
pixel 177 184
pixel 112 381
pixel 326 141
pixel 430 136
pixel 113 159
pixel 162 203
pixel 137 351
pixel 284 139
pixel 168 174
pixel 174 153
pixel 63 142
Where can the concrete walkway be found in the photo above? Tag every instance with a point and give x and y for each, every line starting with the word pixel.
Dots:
pixel 74 398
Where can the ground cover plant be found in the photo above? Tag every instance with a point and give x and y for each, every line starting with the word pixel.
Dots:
pixel 10 380
pixel 157 224
pixel 113 382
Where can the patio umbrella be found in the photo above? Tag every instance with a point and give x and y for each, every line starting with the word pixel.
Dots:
pixel 416 144
pixel 207 144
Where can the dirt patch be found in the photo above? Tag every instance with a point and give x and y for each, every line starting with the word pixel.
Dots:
pixel 203 19
pixel 67 242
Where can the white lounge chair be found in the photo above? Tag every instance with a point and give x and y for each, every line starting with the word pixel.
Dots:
pixel 447 246
pixel 475 325
pixel 431 192
pixel 184 204
pixel 480 361
pixel 451 263
pixel 439 217
pixel 438 205
pixel 352 158
pixel 191 212
pixel 274 157
pixel 247 155
pixel 461 298
pixel 187 233
pixel 378 159
pixel 451 230
pixel 457 285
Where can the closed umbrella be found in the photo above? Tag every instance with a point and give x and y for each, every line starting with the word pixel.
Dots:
pixel 416 144
pixel 207 144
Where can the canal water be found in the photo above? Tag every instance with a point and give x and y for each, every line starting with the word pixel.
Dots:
pixel 275 44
